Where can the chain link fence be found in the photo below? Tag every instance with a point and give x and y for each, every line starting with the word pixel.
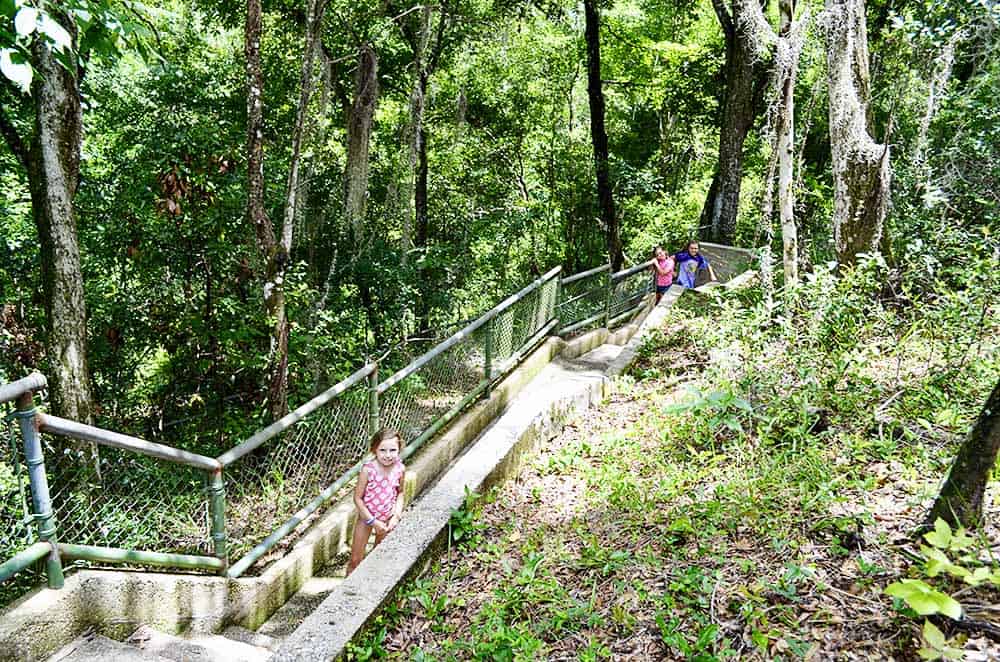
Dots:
pixel 112 497
pixel 17 531
pixel 583 297
pixel 266 487
pixel 627 291
pixel 118 497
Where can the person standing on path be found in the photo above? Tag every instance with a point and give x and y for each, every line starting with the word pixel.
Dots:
pixel 663 266
pixel 689 263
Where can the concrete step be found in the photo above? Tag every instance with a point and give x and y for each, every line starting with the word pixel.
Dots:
pixel 284 621
pixel 196 647
pixel 91 647
pixel 243 635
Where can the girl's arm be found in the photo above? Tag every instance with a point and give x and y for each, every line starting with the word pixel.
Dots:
pixel 711 274
pixel 359 496
pixel 660 270
pixel 397 510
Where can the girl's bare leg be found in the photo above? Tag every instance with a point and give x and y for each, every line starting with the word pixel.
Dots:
pixel 379 537
pixel 361 533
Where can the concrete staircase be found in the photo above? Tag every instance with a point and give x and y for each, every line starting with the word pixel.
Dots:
pixel 234 644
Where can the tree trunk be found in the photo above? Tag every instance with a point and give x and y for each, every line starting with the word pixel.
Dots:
pixel 411 196
pixel 960 502
pixel 786 142
pixel 274 254
pixel 599 136
pixel 314 21
pixel 861 175
pixel 359 130
pixel 745 76
pixel 53 163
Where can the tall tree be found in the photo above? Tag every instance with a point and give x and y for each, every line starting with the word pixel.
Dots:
pixel 315 9
pixel 359 128
pixel 745 76
pixel 599 136
pixel 861 174
pixel 51 157
pixel 960 502
pixel 415 187
pixel 274 254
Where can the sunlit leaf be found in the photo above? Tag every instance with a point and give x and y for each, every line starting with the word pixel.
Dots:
pixel 17 73
pixel 26 21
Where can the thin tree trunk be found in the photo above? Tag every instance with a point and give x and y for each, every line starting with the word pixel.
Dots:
pixel 861 175
pixel 785 144
pixel 745 75
pixel 314 22
pixel 960 502
pixel 411 200
pixel 599 136
pixel 274 254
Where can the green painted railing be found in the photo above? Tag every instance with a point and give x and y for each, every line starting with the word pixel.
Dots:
pixel 121 499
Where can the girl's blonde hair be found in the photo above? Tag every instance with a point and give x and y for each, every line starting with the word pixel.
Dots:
pixel 384 435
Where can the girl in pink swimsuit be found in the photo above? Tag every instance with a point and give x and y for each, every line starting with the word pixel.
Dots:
pixel 376 496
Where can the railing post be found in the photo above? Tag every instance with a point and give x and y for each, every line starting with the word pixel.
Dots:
pixel 40 501
pixel 488 359
pixel 374 416
pixel 607 301
pixel 217 515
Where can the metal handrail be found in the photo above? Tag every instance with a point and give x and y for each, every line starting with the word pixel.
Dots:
pixel 631 271
pixel 14 390
pixel 464 333
pixel 66 428
pixel 584 274
pixel 287 421
pixel 749 252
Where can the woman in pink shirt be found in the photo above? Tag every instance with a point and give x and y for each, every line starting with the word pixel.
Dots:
pixel 376 496
pixel 663 265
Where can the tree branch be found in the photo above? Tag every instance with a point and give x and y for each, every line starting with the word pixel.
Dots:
pixel 725 20
pixel 13 139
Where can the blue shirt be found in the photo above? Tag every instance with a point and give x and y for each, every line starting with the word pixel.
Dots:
pixel 688 267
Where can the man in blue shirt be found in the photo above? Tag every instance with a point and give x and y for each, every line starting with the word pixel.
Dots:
pixel 689 263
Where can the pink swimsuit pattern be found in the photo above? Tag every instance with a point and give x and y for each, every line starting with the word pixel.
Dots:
pixel 382 491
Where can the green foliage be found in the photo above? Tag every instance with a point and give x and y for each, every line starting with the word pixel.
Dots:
pixel 923 599
pixel 463 525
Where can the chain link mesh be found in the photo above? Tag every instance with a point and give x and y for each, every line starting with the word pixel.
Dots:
pixel 415 403
pixel 265 488
pixel 117 498
pixel 628 292
pixel 583 298
pixel 726 262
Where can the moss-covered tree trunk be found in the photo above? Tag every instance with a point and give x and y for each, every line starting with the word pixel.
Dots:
pixel 786 143
pixel 53 164
pixel 861 175
pixel 599 135
pixel 359 130
pixel 961 499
